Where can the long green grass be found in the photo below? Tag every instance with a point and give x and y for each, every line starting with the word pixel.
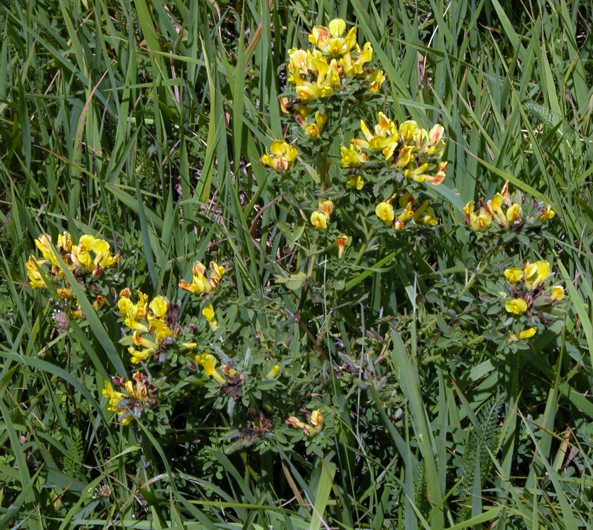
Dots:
pixel 144 121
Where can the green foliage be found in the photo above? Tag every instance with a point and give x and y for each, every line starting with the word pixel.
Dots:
pixel 144 123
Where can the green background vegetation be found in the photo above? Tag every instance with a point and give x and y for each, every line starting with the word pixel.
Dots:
pixel 143 122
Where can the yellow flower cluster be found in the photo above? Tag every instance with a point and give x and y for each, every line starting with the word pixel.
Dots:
pixel 132 397
pixel 148 322
pixel 202 284
pixel 316 421
pixel 320 72
pixel 528 291
pixel 415 152
pixel 422 215
pixel 281 157
pixel 91 255
pixel 320 217
pixel 502 211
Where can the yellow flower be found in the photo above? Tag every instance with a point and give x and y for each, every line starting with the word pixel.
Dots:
pixel 216 273
pixel 210 316
pixel 110 393
pixel 557 293
pixel 159 306
pixel 326 207
pixel 514 213
pixel 199 285
pixel 64 242
pixel 282 157
pixel 517 306
pixel 548 214
pixel 133 312
pixel 342 242
pixel 376 79
pixel 523 335
pixel 536 273
pixel 274 372
pixel 495 207
pixel 408 130
pixel 317 418
pixel 384 211
pixel 101 249
pixel 352 156
pixel 329 40
pixel 356 182
pixel 477 222
pixel 33 265
pixel 513 275
pixel 319 220
pixel 208 362
pixel 43 243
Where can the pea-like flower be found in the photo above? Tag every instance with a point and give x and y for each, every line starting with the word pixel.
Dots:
pixel 523 335
pixel 208 362
pixel 319 220
pixel 513 275
pixel 282 156
pixel 384 211
pixel 517 306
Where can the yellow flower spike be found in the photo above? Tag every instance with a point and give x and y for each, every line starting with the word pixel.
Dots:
pixel 274 372
pixel 64 293
pixel 159 306
pixel 536 273
pixel 342 242
pixel 516 306
pixel 326 207
pixel 514 213
pixel 548 214
pixel 33 265
pixel 513 275
pixel 384 211
pixel 319 220
pixel 210 316
pixel 557 293
pixel 208 362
